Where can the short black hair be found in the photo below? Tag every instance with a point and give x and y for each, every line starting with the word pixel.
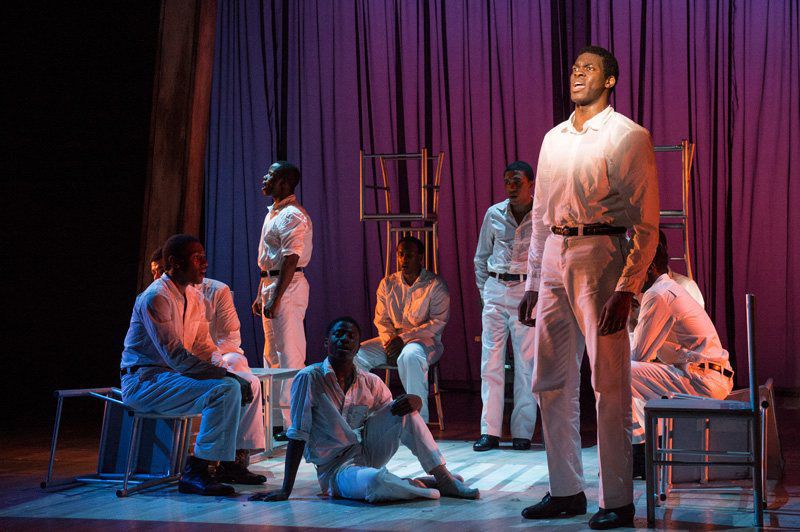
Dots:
pixel 408 239
pixel 520 166
pixel 342 319
pixel 661 259
pixel 176 246
pixel 610 65
pixel 289 172
pixel 158 255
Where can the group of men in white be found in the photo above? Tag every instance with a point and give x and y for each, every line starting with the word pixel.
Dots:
pixel 571 261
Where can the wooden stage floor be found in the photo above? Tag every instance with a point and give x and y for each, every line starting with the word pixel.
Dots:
pixel 509 480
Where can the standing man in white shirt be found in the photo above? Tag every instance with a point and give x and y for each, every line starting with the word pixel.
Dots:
pixel 501 265
pixel 166 368
pixel 412 308
pixel 675 349
pixel 283 253
pixel 596 180
pixel 346 424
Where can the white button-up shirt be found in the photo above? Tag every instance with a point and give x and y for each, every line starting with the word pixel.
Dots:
pixel 223 322
pixel 286 231
pixel 414 313
pixel 674 328
pixel 329 420
pixel 604 174
pixel 690 286
pixel 168 329
pixel 502 244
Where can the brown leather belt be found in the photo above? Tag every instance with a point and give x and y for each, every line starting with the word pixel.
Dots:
pixel 275 273
pixel 588 230
pixel 716 367
pixel 509 276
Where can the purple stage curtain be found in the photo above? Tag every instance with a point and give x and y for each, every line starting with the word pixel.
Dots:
pixel 315 81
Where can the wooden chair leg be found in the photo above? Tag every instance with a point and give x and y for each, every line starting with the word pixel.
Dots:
pixel 437 395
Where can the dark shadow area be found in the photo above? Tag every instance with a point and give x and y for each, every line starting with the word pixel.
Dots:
pixel 77 127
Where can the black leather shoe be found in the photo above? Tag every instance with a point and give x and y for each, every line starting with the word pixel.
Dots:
pixel 236 473
pixel 639 469
pixel 280 436
pixel 521 444
pixel 607 518
pixel 551 507
pixel 196 479
pixel 486 442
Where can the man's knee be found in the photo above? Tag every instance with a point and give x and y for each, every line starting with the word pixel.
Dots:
pixel 229 390
pixel 413 354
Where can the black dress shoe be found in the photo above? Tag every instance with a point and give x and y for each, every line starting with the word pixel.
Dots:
pixel 236 472
pixel 196 479
pixel 551 507
pixel 486 442
pixel 607 518
pixel 521 444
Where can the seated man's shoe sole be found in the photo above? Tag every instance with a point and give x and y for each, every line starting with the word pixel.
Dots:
pixel 606 519
pixel 551 507
pixel 521 444
pixel 208 489
pixel 486 442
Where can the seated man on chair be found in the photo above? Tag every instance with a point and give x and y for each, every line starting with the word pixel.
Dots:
pixel 345 422
pixel 166 369
pixel 675 349
pixel 412 308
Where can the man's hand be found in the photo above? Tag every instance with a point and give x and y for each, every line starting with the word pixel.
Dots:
pixel 393 348
pixel 405 404
pixel 271 307
pixel 257 306
pixel 615 313
pixel 270 496
pixel 526 307
pixel 247 391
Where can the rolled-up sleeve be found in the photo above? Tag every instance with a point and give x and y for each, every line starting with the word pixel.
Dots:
pixel 300 408
pixel 293 229
pixel 226 322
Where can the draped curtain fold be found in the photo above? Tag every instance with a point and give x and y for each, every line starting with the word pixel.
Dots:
pixel 316 81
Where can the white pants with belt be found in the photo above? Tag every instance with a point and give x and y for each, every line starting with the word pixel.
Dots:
pixel 364 475
pixel 500 322
pixel 412 365
pixel 651 380
pixel 285 337
pixel 579 275
pixel 226 424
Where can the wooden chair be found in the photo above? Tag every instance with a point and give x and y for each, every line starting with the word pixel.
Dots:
pixel 751 412
pixel 433 378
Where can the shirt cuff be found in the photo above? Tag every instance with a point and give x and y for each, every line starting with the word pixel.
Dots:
pixel 532 283
pixel 295 434
pixel 630 284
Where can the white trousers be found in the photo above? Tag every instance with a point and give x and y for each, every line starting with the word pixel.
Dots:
pixel 500 321
pixel 364 475
pixel 651 380
pixel 285 338
pixel 412 365
pixel 226 424
pixel 579 275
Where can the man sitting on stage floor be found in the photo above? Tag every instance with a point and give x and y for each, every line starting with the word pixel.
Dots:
pixel 412 308
pixel 346 422
pixel 166 368
pixel 675 349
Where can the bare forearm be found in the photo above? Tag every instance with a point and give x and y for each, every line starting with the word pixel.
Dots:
pixel 294 454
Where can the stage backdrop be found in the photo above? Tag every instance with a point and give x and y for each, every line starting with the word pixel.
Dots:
pixel 315 81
